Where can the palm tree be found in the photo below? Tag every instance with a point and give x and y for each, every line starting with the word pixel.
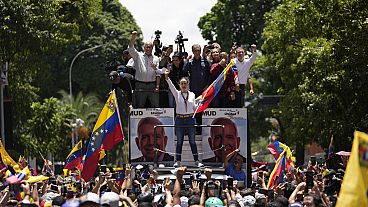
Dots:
pixel 86 107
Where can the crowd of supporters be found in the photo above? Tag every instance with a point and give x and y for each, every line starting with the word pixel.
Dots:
pixel 314 185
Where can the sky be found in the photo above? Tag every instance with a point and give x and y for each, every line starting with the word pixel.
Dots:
pixel 170 16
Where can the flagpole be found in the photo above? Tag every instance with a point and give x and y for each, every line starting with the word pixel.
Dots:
pixel 126 157
pixel 231 63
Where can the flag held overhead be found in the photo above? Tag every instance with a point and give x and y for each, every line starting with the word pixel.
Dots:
pixel 105 135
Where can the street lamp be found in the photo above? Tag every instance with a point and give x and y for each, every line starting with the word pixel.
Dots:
pixel 71 66
pixel 75 129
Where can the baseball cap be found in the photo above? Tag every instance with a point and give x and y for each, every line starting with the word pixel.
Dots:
pixel 184 201
pixel 296 204
pixel 110 198
pixel 71 203
pixel 90 197
pixel 249 200
pixel 213 201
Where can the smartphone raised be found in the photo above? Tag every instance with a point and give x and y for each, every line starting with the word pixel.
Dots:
pixel 103 168
pixel 230 182
pixel 313 160
pixel 309 179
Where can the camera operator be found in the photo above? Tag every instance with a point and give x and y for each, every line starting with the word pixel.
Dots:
pixel 123 81
pixel 147 77
pixel 165 62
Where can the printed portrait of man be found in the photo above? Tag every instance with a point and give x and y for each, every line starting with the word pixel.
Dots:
pixel 145 141
pixel 231 139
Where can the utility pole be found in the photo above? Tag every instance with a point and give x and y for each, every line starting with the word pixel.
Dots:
pixel 3 82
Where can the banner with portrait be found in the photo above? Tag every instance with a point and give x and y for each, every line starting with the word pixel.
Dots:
pixel 141 129
pixel 235 133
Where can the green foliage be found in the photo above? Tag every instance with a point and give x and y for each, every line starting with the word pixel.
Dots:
pixel 86 107
pixel 47 130
pixel 110 25
pixel 242 22
pixel 39 39
pixel 238 21
pixel 316 48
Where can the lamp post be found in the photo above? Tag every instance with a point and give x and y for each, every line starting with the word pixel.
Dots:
pixel 71 66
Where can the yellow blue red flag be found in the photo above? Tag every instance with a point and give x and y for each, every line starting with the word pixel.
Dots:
pixel 74 159
pixel 213 89
pixel 105 135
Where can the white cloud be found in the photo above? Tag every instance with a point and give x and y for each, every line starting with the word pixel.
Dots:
pixel 170 16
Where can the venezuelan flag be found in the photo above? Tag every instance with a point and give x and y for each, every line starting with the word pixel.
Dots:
pixel 276 148
pixel 277 174
pixel 105 135
pixel 74 159
pixel 213 89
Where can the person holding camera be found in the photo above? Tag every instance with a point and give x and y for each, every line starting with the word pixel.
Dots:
pixel 123 81
pixel 146 76
pixel 185 106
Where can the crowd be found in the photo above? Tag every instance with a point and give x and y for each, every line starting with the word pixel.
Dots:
pixel 179 80
pixel 141 74
pixel 141 186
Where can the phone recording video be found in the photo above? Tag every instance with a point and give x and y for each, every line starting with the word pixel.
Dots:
pixel 309 179
pixel 103 168
pixel 230 182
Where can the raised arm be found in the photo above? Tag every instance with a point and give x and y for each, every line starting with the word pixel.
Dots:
pixel 227 158
pixel 132 51
pixel 132 39
pixel 172 88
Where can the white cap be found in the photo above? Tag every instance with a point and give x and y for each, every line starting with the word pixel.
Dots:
pixel 90 197
pixel 184 201
pixel 110 198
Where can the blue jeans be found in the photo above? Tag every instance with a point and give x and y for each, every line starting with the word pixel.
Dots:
pixel 180 137
pixel 171 100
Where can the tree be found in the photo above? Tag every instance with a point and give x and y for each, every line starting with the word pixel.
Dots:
pixel 47 130
pixel 238 21
pixel 40 38
pixel 315 47
pixel 110 24
pixel 86 107
pixel 242 22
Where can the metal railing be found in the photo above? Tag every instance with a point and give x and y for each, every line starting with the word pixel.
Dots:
pixel 187 126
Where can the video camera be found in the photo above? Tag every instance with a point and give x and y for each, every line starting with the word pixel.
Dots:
pixel 111 65
pixel 179 40
pixel 158 44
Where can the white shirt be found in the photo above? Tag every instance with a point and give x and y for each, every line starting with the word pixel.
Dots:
pixel 243 68
pixel 180 101
pixel 130 63
pixel 143 65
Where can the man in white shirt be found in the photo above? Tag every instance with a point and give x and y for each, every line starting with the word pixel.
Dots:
pixel 147 80
pixel 243 66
